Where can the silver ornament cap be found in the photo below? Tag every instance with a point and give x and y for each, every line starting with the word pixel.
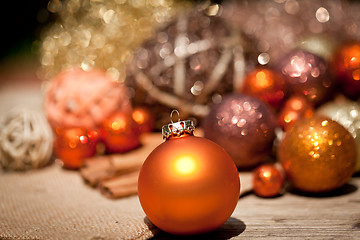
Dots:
pixel 176 129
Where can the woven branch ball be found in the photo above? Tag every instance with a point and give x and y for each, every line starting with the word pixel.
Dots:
pixel 78 98
pixel 26 140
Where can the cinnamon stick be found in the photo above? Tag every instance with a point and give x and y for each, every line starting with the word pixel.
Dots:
pixel 120 186
pixel 101 168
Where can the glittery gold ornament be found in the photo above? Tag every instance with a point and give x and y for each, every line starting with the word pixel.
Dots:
pixel 318 154
pixel 347 113
pixel 100 34
pixel 188 64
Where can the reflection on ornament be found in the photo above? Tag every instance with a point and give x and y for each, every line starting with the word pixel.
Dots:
pixel 73 145
pixel 307 75
pixel 244 126
pixel 188 64
pixel 120 133
pixel 268 180
pixel 144 118
pixel 26 141
pixel 295 108
pixel 265 84
pixel 347 113
pixel 77 98
pixel 188 185
pixel 318 154
pixel 347 67
pixel 100 34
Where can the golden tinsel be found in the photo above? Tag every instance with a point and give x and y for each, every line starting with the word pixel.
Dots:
pixel 99 33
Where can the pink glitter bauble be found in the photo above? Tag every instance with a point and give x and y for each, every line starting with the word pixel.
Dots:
pixel 76 98
pixel 244 126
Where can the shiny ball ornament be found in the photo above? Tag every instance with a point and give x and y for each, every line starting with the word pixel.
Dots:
pixel 144 118
pixel 244 126
pixel 120 133
pixel 308 75
pixel 318 155
pixel 188 185
pixel 73 145
pixel 76 98
pixel 347 68
pixel 187 65
pixel 268 180
pixel 266 84
pixel 347 113
pixel 294 109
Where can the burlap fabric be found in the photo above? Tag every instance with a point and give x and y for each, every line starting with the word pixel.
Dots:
pixel 53 203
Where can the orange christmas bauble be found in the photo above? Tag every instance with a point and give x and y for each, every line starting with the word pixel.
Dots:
pixel 318 154
pixel 73 145
pixel 347 68
pixel 120 133
pixel 266 84
pixel 295 108
pixel 188 185
pixel 268 180
pixel 144 118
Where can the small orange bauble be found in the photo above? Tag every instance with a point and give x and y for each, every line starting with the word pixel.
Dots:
pixel 295 108
pixel 266 84
pixel 144 118
pixel 188 184
pixel 268 181
pixel 120 133
pixel 317 154
pixel 347 68
pixel 73 145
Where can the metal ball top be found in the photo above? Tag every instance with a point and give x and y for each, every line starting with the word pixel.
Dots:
pixel 176 129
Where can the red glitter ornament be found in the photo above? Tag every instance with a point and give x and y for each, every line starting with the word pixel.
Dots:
pixel 295 108
pixel 188 184
pixel 347 68
pixel 265 84
pixel 308 75
pixel 75 144
pixel 244 126
pixel 120 133
pixel 144 118
pixel 268 180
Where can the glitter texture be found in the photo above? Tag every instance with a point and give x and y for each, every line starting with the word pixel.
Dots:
pixel 244 126
pixel 318 154
pixel 347 113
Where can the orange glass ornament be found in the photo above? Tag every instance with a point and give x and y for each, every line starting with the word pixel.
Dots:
pixel 120 133
pixel 317 154
pixel 188 184
pixel 144 118
pixel 73 145
pixel 347 68
pixel 295 108
pixel 268 181
pixel 265 84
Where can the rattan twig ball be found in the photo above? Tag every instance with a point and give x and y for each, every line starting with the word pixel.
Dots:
pixel 26 140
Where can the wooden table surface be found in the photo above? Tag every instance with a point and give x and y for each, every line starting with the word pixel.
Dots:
pixel 292 216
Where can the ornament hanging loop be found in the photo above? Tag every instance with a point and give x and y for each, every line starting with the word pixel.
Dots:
pixel 179 128
pixel 172 113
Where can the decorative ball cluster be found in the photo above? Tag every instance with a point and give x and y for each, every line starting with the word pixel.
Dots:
pixel 26 140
